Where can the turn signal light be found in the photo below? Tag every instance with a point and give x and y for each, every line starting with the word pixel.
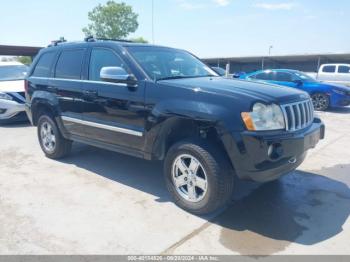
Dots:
pixel 247 119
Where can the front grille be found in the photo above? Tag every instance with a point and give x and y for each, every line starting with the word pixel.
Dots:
pixel 298 115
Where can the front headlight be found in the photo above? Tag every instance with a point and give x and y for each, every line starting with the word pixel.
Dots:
pixel 5 96
pixel 264 117
pixel 340 92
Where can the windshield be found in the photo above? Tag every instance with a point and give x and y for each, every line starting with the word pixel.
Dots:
pixel 305 77
pixel 166 63
pixel 219 70
pixel 14 72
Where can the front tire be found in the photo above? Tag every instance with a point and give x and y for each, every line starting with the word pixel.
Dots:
pixel 53 144
pixel 320 101
pixel 199 176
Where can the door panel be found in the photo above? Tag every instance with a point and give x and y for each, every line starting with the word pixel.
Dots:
pixel 69 95
pixel 118 114
pixel 114 113
pixel 68 87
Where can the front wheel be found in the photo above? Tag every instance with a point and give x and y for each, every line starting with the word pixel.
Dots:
pixel 53 144
pixel 198 176
pixel 320 101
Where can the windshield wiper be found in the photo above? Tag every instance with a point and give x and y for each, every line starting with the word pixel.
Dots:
pixel 181 77
pixel 172 77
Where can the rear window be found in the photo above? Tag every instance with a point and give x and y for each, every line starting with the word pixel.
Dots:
pixel 69 64
pixel 344 69
pixel 43 67
pixel 328 69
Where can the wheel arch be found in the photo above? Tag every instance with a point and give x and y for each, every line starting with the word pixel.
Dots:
pixel 176 129
pixel 41 105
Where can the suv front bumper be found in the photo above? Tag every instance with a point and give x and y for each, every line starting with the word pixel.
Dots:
pixel 267 156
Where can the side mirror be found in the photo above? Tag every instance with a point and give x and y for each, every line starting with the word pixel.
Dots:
pixel 298 82
pixel 117 75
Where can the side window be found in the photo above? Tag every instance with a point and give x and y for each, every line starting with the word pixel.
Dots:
pixel 103 58
pixel 344 69
pixel 252 77
pixel 69 64
pixel 42 68
pixel 264 76
pixel 328 69
pixel 283 77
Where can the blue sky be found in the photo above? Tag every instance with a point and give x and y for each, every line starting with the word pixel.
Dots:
pixel 208 28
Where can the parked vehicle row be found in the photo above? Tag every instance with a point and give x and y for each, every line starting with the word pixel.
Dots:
pixel 161 103
pixel 324 95
pixel 12 98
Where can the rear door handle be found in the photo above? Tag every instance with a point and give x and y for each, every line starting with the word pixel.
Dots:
pixel 52 89
pixel 90 95
pixel 89 92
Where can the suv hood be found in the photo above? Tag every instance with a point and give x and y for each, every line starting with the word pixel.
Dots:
pixel 12 86
pixel 241 89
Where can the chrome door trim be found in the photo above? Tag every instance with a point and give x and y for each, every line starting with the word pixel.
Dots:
pixel 79 81
pixel 103 126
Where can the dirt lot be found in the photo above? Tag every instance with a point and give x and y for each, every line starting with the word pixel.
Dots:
pixel 98 202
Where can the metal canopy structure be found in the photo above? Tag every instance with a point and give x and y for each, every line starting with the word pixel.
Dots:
pixel 307 62
pixel 8 50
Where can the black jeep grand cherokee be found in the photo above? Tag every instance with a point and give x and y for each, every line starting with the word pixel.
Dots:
pixel 160 103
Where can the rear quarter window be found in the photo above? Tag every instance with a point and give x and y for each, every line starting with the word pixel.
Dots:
pixel 344 69
pixel 43 67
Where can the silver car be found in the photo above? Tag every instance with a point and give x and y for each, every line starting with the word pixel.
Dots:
pixel 12 98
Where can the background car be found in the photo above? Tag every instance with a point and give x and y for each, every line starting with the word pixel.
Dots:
pixel 333 73
pixel 12 97
pixel 324 95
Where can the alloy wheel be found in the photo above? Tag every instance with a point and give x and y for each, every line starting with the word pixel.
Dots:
pixel 320 102
pixel 189 178
pixel 48 137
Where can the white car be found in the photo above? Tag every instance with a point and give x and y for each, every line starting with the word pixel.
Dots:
pixel 333 73
pixel 12 97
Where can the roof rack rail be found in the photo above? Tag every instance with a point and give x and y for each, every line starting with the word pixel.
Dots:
pixel 56 42
pixel 94 39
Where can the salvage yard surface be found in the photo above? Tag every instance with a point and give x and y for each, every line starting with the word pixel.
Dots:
pixel 100 202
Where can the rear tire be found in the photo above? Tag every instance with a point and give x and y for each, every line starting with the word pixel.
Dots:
pixel 53 144
pixel 206 190
pixel 320 101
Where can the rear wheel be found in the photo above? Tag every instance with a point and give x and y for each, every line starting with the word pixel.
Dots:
pixel 320 101
pixel 53 144
pixel 198 176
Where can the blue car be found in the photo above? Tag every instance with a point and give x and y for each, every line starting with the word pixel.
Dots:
pixel 324 95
